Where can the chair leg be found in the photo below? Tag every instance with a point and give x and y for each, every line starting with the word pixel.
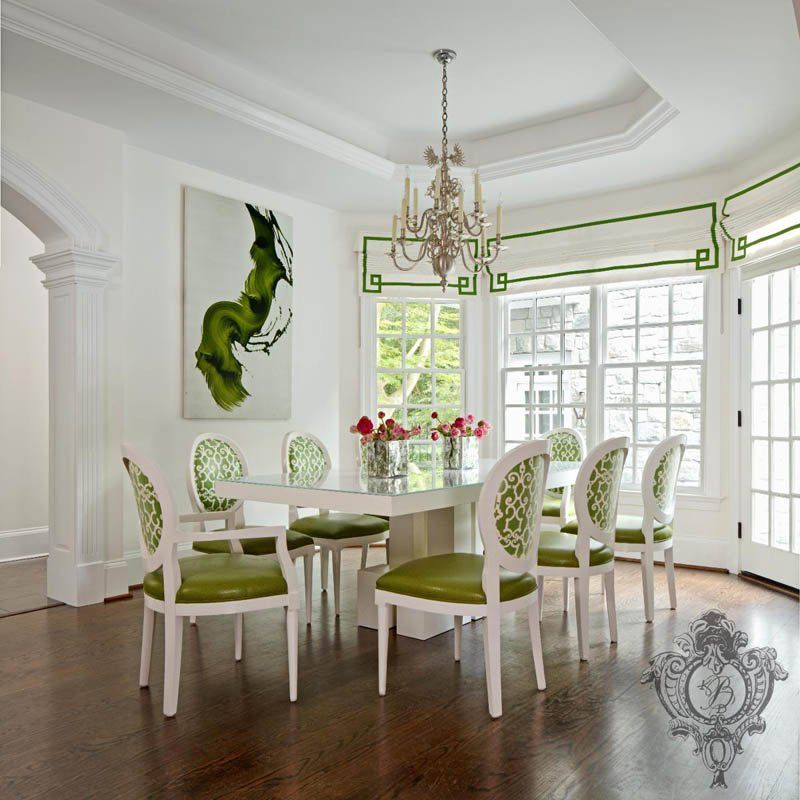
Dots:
pixel 647 585
pixel 173 641
pixel 536 642
pixel 565 594
pixel 324 554
pixel 388 552
pixel 492 645
pixel 238 625
pixel 364 554
pixel 336 559
pixel 308 568
pixel 602 584
pixel 458 625
pixel 148 624
pixel 669 565
pixel 540 594
pixel 383 646
pixel 611 604
pixel 291 643
pixel 193 620
pixel 582 608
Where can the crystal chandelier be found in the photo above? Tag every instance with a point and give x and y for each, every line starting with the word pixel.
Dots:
pixel 447 230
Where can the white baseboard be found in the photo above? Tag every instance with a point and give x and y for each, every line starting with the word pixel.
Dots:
pixel 694 551
pixel 24 543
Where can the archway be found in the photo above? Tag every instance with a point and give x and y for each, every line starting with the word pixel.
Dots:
pixel 76 271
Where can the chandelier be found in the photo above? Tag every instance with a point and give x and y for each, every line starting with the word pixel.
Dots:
pixel 446 231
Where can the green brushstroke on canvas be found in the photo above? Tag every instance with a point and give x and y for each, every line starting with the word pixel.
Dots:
pixel 254 322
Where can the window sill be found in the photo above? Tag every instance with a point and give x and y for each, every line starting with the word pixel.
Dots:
pixel 689 502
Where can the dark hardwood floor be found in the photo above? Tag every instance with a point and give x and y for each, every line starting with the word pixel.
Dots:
pixel 23 586
pixel 74 724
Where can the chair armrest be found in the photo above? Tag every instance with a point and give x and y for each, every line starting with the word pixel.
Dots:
pixel 264 532
pixel 205 516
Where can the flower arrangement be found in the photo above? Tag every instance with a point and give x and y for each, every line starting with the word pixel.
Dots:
pixel 460 426
pixel 387 430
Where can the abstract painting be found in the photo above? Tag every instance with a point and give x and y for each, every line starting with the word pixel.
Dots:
pixel 237 321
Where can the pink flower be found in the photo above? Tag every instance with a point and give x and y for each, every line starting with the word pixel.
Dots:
pixel 435 436
pixel 390 423
pixel 353 429
pixel 444 427
pixel 456 432
pixel 479 433
pixel 364 426
pixel 459 422
pixel 470 419
pixel 364 440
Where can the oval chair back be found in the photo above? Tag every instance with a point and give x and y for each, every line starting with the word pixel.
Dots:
pixel 304 452
pixel 597 495
pixel 566 444
pixel 660 479
pixel 157 518
pixel 214 457
pixel 509 513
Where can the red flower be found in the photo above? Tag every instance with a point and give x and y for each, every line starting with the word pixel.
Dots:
pixel 435 415
pixel 381 415
pixel 459 422
pixel 435 436
pixel 364 426
pixel 390 423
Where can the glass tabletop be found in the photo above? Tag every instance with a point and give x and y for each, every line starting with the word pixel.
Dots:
pixel 420 478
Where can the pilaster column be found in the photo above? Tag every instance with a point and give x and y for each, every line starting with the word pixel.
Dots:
pixel 76 280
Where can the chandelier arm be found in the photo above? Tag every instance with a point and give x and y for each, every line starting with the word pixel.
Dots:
pixel 423 250
pixel 477 264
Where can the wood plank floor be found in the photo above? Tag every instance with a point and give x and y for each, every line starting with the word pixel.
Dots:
pixel 23 586
pixel 73 723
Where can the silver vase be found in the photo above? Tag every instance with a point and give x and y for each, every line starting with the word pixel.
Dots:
pixel 460 452
pixel 386 459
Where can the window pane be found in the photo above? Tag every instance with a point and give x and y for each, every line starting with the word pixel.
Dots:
pixel 651 385
pixel 448 389
pixel 576 348
pixel 687 384
pixel 393 412
pixel 642 454
pixel 779 479
pixel 576 311
pixel 520 350
pixel 518 388
pixel 654 344
pixel 651 425
pixel 760 465
pixel 418 318
pixel 796 350
pixel 653 304
pixel 759 411
pixel 780 353
pixel 420 454
pixel 520 317
pixel 447 353
pixel 548 348
pixel 573 386
pixel 796 409
pixel 419 388
pixel 448 319
pixel 687 342
pixel 545 419
pixel 390 353
pixel 759 302
pixel 619 385
pixel 780 297
pixel 390 388
pixel 690 468
pixel 390 318
pixel 759 356
pixel 620 307
pixel 518 424
pixel 548 313
pixel 760 519
pixel 575 418
pixel 795 294
pixel 687 302
pixel 418 352
pixel 619 422
pixel 780 522
pixel 545 387
pixel 621 345
pixel 421 417
pixel 796 525
pixel 779 417
pixel 795 467
pixel 687 421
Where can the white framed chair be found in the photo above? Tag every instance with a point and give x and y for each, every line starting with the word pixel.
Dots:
pixel 331 531
pixel 215 457
pixel 220 583
pixel 653 531
pixel 563 554
pixel 469 585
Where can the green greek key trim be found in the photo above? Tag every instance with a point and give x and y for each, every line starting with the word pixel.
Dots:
pixel 704 258
pixel 374 283
pixel 739 245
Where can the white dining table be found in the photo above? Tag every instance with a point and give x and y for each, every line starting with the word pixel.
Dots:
pixel 431 511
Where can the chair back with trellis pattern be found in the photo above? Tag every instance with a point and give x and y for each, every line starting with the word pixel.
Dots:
pixel 214 457
pixel 660 478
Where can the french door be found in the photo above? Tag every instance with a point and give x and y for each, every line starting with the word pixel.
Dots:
pixel 771 426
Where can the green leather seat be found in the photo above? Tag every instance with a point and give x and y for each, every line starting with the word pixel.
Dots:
pixel 552 506
pixel 339 526
pixel 629 530
pixel 220 578
pixel 452 578
pixel 256 547
pixel 557 549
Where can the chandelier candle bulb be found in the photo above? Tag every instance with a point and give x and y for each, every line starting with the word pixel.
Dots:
pixel 394 229
pixel 499 220
pixel 416 202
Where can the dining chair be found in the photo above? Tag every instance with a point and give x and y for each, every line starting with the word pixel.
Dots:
pixel 305 455
pixel 652 532
pixel 212 458
pixel 566 444
pixel 591 552
pixel 495 583
pixel 202 585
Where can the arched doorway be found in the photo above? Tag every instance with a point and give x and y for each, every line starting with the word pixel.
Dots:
pixel 76 272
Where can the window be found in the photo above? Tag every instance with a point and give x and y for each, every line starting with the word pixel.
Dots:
pixel 645 381
pixel 418 360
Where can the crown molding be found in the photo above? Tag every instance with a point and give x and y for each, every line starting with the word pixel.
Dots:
pixel 80 43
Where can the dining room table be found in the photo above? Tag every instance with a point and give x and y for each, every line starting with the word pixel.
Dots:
pixel 430 511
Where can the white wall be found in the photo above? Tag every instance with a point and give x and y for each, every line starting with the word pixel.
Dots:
pixel 23 394
pixel 153 382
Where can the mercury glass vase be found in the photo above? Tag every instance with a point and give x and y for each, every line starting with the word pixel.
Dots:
pixel 386 459
pixel 460 452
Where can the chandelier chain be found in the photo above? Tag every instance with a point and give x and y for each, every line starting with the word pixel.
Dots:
pixel 444 110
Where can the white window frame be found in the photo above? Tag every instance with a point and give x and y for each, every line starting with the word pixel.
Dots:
pixel 595 406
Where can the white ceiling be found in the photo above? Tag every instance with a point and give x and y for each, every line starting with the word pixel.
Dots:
pixel 328 100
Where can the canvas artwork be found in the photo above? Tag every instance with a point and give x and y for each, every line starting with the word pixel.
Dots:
pixel 237 319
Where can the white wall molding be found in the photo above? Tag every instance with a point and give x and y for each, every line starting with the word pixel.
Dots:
pixel 24 543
